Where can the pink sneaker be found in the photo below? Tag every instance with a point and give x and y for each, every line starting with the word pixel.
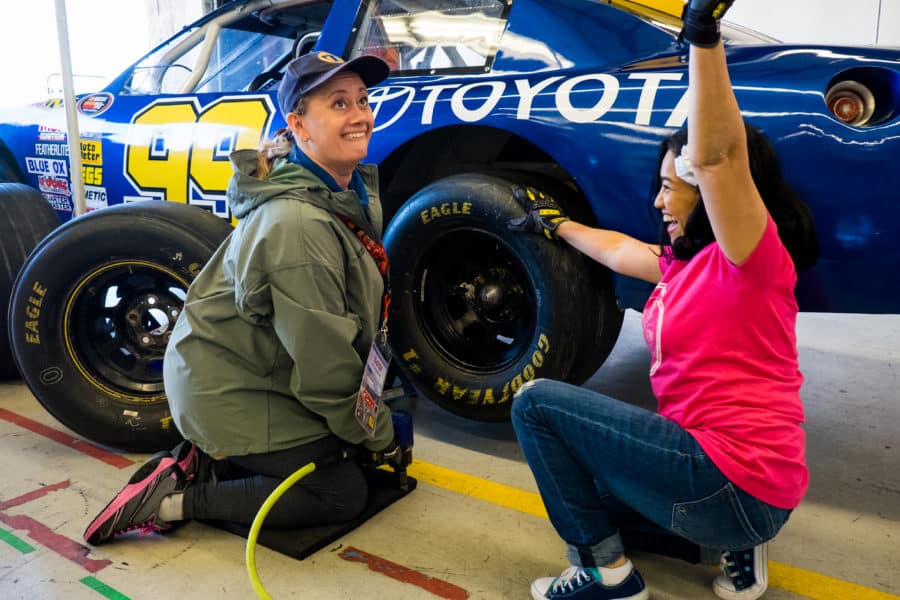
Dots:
pixel 187 455
pixel 136 505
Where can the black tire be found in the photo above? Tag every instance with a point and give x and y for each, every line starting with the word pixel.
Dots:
pixel 478 310
pixel 93 308
pixel 599 315
pixel 25 219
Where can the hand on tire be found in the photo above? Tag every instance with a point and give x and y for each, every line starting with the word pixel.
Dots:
pixel 544 215
pixel 701 20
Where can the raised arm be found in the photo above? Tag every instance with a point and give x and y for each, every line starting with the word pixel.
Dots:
pixel 717 139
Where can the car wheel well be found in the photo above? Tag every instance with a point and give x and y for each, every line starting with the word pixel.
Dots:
pixel 469 149
pixel 9 168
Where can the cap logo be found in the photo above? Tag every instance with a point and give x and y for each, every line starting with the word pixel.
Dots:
pixel 329 57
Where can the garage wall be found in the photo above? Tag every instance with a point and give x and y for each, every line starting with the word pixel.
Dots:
pixel 165 17
pixel 859 22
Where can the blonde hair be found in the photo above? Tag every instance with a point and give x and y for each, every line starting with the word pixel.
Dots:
pixel 280 145
pixel 269 150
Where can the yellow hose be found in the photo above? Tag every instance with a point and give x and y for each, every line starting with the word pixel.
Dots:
pixel 250 552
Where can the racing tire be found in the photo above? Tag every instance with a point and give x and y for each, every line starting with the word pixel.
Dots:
pixel 477 310
pixel 600 317
pixel 92 311
pixel 25 218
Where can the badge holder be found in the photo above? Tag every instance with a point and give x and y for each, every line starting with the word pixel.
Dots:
pixel 371 390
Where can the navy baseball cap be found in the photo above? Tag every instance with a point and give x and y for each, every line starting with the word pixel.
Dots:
pixel 315 68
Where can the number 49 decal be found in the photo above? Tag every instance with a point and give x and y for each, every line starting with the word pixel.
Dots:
pixel 175 145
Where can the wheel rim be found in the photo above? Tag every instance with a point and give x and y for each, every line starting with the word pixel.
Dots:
pixel 475 302
pixel 118 321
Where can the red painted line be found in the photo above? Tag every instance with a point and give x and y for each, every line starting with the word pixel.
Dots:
pixel 60 544
pixel 44 535
pixel 438 587
pixel 65 439
pixel 38 493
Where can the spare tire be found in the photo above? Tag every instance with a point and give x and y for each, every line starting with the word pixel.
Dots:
pixel 92 311
pixel 478 310
pixel 25 218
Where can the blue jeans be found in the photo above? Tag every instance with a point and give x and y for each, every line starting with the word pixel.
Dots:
pixel 612 474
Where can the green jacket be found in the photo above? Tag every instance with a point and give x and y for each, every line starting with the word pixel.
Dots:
pixel 269 350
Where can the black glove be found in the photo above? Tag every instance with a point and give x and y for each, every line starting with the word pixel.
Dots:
pixel 544 214
pixel 701 20
pixel 394 456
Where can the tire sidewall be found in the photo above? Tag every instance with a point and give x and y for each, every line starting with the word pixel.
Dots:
pixel 483 204
pixel 42 304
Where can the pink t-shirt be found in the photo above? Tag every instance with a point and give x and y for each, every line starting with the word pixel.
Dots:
pixel 724 364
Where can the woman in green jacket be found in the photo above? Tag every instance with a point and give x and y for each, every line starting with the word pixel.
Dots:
pixel 265 362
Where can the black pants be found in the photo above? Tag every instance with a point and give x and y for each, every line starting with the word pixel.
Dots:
pixel 235 488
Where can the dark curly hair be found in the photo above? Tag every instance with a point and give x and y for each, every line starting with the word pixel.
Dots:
pixel 796 226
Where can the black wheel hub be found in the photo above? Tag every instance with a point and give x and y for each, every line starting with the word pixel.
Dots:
pixel 475 301
pixel 120 322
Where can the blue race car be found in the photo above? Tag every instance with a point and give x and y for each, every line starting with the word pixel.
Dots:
pixel 570 96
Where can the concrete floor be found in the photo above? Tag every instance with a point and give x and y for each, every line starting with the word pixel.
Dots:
pixel 843 542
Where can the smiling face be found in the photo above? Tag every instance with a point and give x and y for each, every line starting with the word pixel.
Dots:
pixel 676 199
pixel 336 125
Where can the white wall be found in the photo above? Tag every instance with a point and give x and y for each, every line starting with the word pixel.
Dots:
pixel 858 22
pixel 105 36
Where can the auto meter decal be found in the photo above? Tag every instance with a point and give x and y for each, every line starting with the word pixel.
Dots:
pixel 94 104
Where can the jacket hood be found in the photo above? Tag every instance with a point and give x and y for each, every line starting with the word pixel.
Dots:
pixel 290 181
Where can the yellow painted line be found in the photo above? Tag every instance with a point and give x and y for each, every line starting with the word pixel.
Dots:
pixel 785 577
pixel 820 587
pixel 475 487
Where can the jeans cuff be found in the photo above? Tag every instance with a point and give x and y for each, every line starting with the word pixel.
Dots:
pixel 602 553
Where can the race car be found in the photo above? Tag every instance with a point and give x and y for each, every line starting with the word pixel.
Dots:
pixel 569 96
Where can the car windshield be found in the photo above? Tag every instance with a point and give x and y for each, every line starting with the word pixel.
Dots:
pixel 416 36
pixel 241 50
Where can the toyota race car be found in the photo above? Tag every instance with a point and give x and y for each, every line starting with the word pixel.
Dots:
pixel 569 96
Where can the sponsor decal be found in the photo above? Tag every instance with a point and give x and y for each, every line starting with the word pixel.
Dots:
pixel 51 150
pixel 94 104
pixel 50 134
pixel 92 175
pixel 91 152
pixel 63 203
pixel 46 166
pixel 53 185
pixel 585 98
pixel 94 197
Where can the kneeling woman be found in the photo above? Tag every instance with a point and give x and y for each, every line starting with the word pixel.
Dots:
pixel 265 361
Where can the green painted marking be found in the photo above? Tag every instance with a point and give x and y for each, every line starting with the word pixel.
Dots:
pixel 16 542
pixel 103 589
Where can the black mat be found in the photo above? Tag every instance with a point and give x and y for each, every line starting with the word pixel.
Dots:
pixel 300 543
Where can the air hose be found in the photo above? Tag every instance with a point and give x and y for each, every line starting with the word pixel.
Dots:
pixel 403 430
pixel 250 553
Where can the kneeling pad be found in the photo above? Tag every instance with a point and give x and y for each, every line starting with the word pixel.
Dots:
pixel 300 543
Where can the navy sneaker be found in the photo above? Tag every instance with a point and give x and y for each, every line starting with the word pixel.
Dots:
pixel 745 574
pixel 136 505
pixel 577 583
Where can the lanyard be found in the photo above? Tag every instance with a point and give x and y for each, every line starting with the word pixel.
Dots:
pixel 377 252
